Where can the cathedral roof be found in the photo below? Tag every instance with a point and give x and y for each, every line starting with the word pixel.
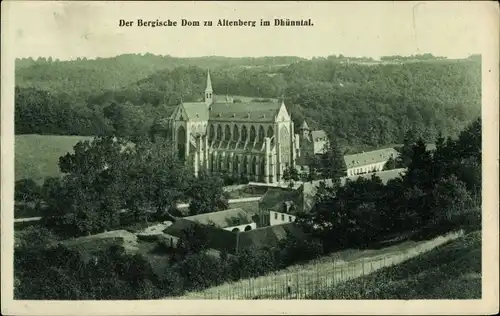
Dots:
pixel 196 111
pixel 244 112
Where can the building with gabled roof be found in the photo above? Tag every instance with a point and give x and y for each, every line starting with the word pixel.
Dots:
pixel 234 220
pixel 370 161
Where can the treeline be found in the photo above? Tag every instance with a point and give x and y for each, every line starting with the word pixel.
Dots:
pixel 90 76
pixel 440 191
pixel 367 104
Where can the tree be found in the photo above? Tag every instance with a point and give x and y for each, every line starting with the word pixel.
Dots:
pixel 420 169
pixel 390 164
pixel 194 240
pixel 91 194
pixel 158 180
pixel 332 162
pixel 27 190
pixel 406 152
pixel 34 237
pixel 450 197
pixel 290 174
pixel 207 194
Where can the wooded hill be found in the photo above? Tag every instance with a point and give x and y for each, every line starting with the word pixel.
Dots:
pixel 365 104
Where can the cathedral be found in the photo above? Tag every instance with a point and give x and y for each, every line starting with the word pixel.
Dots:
pixel 253 140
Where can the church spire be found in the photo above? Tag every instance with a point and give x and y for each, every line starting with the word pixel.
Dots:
pixel 208 90
pixel 209 82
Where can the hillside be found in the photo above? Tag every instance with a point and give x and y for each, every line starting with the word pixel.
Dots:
pixel 365 105
pixel 451 271
pixel 333 271
pixel 83 76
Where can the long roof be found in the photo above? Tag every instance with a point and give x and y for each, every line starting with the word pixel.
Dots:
pixel 244 112
pixel 370 157
pixel 222 219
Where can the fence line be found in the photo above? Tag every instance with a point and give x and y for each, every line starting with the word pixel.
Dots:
pixel 318 276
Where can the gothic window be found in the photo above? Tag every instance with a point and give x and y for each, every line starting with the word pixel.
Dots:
pixel 236 133
pixel 219 132
pixel 261 134
pixel 227 133
pixel 270 132
pixel 181 142
pixel 254 166
pixel 211 132
pixel 252 134
pixel 244 133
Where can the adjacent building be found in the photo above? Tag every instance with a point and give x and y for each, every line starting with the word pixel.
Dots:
pixel 367 162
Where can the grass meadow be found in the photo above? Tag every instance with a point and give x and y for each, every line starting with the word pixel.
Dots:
pixel 37 156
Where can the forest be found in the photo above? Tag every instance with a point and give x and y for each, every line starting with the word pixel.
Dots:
pixel 367 104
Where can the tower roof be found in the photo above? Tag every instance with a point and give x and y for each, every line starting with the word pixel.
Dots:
pixel 209 82
pixel 304 125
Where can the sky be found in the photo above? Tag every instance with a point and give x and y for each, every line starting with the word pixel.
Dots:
pixel 67 30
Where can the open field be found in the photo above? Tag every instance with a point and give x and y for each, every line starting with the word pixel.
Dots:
pixel 37 156
pixel 451 271
pixel 322 274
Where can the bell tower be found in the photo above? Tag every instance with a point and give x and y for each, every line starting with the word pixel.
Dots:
pixel 304 130
pixel 208 91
